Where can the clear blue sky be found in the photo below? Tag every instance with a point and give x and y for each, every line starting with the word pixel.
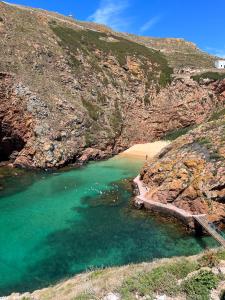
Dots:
pixel 199 21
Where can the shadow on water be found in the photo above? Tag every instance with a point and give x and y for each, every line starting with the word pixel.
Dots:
pixel 109 232
pixel 13 180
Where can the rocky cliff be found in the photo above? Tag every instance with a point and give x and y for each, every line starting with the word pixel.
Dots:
pixel 72 91
pixel 189 173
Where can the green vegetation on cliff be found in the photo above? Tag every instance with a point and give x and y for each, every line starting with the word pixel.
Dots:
pixel 172 135
pixel 200 285
pixel 179 52
pixel 217 114
pixel 209 75
pixel 162 279
pixel 190 278
pixel 91 41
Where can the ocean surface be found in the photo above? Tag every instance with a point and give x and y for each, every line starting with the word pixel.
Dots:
pixel 54 225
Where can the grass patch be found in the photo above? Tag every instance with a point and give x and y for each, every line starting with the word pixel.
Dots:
pixel 217 114
pixel 161 280
pixel 209 259
pixel 213 153
pixel 84 296
pixel 199 286
pixel 209 75
pixel 95 274
pixel 89 41
pixel 203 141
pixel 216 156
pixel 221 254
pixel 172 135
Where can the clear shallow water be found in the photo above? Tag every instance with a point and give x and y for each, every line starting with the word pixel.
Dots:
pixel 55 225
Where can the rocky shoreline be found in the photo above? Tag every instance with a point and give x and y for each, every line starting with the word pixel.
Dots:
pixel 141 201
pixel 189 173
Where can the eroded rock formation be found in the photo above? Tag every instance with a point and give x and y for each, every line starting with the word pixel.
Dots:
pixel 15 122
pixel 71 94
pixel 189 173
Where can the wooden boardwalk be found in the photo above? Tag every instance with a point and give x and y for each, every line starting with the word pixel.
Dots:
pixel 202 220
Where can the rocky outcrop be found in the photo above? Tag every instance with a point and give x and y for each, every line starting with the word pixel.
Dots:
pixel 189 173
pixel 81 94
pixel 219 88
pixel 181 104
pixel 15 122
pixel 179 53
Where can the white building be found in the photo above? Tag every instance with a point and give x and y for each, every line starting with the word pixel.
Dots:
pixel 220 64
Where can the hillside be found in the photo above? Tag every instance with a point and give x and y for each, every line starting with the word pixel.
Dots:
pixel 186 278
pixel 73 91
pixel 179 53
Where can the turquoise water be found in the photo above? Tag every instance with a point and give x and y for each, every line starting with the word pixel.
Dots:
pixel 55 225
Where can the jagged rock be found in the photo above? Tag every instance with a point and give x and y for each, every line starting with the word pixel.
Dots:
pixel 91 154
pixel 138 203
pixel 191 174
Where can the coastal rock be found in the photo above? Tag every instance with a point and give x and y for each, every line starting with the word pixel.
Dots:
pixel 92 154
pixel 190 175
pixel 138 203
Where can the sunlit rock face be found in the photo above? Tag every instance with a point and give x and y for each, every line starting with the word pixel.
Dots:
pixel 71 94
pixel 189 173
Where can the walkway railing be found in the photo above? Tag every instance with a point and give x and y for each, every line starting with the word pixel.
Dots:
pixel 217 234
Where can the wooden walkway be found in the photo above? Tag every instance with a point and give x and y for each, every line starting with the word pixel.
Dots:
pixel 202 220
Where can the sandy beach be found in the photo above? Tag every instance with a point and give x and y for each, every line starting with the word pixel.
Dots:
pixel 149 149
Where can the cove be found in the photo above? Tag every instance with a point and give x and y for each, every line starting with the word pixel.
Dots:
pixel 53 226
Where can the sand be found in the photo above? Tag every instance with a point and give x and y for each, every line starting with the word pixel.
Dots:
pixel 149 149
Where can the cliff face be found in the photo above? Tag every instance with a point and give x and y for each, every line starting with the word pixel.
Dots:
pixel 70 93
pixel 190 172
pixel 16 124
pixel 179 53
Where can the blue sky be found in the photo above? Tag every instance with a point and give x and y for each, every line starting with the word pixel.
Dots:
pixel 199 21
